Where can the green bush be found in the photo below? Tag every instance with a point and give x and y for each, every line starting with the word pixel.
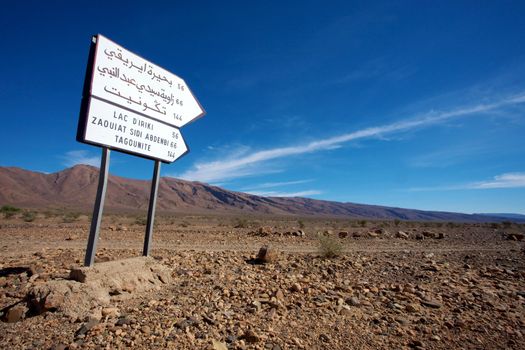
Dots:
pixel 362 223
pixel 329 247
pixel 9 211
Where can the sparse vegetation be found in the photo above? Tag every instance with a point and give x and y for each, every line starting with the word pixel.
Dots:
pixel 362 223
pixel 29 216
pixel 329 246
pixel 70 217
pixel 506 224
pixel 141 220
pixel 301 224
pixel 397 222
pixel 241 223
pixel 9 211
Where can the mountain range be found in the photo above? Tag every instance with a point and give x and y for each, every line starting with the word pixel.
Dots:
pixel 75 188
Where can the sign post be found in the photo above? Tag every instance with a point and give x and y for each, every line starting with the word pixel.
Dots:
pixel 99 207
pixel 151 208
pixel 134 106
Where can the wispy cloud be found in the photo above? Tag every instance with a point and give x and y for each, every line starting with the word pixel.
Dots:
pixel 285 194
pixel 507 180
pixel 72 158
pixel 449 156
pixel 250 163
pixel 276 184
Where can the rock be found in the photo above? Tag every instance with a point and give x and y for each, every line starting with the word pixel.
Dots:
pixel 110 312
pixel 301 233
pixel 401 234
pixel 354 301
pixel 296 287
pixel 419 236
pixel 123 321
pixel 515 236
pixel 16 313
pixel 440 235
pixel 217 345
pixel 264 231
pixel 373 234
pixel 324 338
pixel 416 344
pixel 428 234
pixel 250 337
pixel 431 303
pixel 59 347
pixel 86 327
pixel 266 255
pixel 145 329
pixel 97 285
pixel 279 295
pixel 411 308
pixel 143 273
pixel 343 234
pixel 357 234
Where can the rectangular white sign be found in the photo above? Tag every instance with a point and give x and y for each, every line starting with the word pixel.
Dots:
pixel 128 80
pixel 117 128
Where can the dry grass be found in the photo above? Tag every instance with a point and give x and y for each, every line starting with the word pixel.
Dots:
pixel 330 247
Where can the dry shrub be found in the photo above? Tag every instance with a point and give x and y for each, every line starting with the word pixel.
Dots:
pixel 329 246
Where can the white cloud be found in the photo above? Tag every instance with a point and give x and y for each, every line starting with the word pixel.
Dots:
pixel 507 180
pixel 277 184
pixel 251 163
pixel 72 158
pixel 285 194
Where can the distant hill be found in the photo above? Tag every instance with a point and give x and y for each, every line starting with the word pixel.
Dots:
pixel 74 189
pixel 508 216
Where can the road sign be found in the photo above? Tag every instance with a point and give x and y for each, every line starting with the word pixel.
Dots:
pixel 128 80
pixel 117 128
pixel 134 106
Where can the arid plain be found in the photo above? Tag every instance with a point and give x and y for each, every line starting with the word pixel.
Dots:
pixel 390 284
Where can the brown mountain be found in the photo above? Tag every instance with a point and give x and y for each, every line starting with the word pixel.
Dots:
pixel 75 188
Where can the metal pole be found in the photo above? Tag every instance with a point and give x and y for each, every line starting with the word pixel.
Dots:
pixel 97 210
pixel 151 208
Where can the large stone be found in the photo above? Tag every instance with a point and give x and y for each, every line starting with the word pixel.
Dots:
pixel 266 255
pixel 97 286
pixel 120 276
pixel 401 234
pixel 264 231
pixel 16 313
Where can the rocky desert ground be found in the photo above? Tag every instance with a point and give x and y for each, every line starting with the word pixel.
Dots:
pixel 322 284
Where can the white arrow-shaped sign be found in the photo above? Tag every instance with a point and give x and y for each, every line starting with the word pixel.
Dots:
pixel 117 128
pixel 127 80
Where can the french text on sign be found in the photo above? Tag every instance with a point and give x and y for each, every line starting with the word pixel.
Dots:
pixel 121 129
pixel 124 78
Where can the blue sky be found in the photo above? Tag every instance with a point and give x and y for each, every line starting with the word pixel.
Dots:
pixel 407 104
